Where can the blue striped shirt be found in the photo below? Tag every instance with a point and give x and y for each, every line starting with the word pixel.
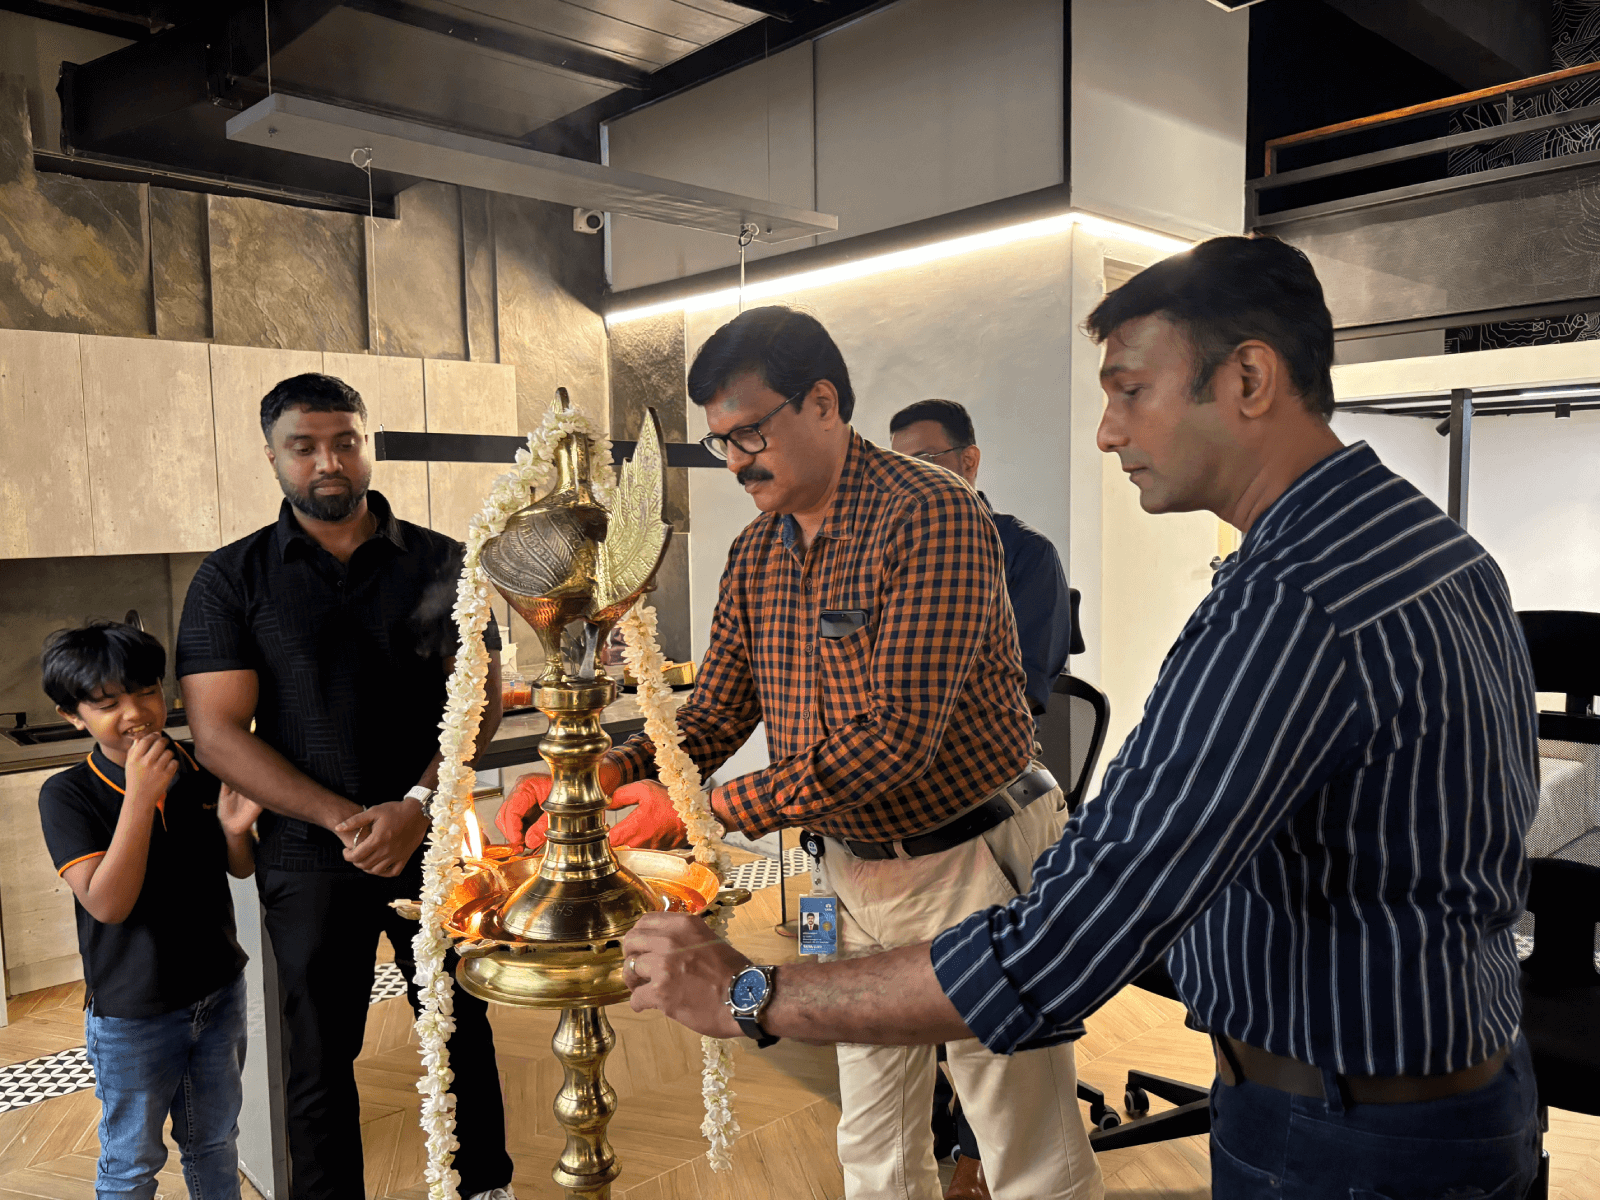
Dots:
pixel 1319 819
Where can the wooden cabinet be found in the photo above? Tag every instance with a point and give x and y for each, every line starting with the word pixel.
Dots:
pixel 248 495
pixel 44 458
pixel 152 449
pixel 392 391
pixel 466 397
pixel 37 918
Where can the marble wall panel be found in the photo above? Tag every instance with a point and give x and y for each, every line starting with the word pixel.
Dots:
pixel 417 309
pixel 73 252
pixel 477 264
pixel 286 278
pixel 550 282
pixel 648 371
pixel 180 264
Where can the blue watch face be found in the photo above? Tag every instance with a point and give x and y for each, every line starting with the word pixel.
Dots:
pixel 749 989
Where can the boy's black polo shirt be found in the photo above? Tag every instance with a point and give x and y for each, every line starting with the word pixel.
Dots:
pixel 178 945
pixel 350 659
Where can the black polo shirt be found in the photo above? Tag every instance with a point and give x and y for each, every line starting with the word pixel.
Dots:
pixel 350 657
pixel 177 945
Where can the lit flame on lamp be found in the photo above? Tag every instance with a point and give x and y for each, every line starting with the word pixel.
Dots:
pixel 472 841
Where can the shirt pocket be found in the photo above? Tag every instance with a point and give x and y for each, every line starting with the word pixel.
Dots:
pixel 844 671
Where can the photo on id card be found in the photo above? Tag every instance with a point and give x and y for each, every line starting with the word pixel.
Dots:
pixel 819 925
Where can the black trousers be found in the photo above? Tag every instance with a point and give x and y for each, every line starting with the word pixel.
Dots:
pixel 324 927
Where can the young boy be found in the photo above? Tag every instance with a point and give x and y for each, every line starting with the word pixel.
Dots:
pixel 142 834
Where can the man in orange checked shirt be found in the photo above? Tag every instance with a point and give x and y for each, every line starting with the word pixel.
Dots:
pixel 863 616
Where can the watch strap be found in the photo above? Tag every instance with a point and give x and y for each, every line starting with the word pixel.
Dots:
pixel 751 1027
pixel 423 796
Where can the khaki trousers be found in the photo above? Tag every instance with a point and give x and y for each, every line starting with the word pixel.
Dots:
pixel 1022 1107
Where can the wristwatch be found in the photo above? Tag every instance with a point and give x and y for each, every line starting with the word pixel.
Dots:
pixel 424 797
pixel 749 993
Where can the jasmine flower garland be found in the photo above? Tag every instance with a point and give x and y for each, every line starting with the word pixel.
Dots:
pixel 463 717
pixel 681 778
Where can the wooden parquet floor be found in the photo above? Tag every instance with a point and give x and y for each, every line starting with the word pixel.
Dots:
pixel 787 1104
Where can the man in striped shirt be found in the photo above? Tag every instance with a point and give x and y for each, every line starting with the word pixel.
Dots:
pixel 1319 821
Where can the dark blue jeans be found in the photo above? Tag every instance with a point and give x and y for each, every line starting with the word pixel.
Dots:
pixel 1482 1145
pixel 186 1063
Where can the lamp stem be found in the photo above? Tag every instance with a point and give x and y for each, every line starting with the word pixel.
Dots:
pixel 585 1104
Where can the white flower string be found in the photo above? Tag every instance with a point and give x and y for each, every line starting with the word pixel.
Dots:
pixel 463 716
pixel 681 777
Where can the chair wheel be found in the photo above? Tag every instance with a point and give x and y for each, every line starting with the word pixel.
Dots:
pixel 1104 1117
pixel 1137 1101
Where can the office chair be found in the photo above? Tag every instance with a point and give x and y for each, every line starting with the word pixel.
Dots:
pixel 1561 988
pixel 1560 985
pixel 1071 733
pixel 1565 651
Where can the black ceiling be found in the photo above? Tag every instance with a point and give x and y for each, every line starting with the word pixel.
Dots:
pixel 541 73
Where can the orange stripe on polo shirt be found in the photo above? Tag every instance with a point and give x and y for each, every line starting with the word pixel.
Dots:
pixel 161 804
pixel 65 867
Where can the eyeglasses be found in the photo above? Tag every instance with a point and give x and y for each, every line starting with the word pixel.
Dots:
pixel 748 438
pixel 934 455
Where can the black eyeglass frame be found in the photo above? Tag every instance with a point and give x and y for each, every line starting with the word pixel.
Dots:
pixel 930 455
pixel 716 444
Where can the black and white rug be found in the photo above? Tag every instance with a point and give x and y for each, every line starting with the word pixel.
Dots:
pixel 763 872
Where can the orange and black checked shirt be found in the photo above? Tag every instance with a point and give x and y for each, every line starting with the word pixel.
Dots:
pixel 894 729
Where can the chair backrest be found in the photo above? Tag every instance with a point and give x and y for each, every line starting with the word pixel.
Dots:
pixel 1072 732
pixel 1564 897
pixel 1565 650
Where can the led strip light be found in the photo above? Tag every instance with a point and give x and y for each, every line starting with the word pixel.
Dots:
pixel 899 259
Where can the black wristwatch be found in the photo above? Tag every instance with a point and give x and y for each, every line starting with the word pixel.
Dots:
pixel 749 993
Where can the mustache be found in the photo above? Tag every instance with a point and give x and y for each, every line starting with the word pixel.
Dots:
pixel 752 474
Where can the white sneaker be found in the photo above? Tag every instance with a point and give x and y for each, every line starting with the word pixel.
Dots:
pixel 504 1193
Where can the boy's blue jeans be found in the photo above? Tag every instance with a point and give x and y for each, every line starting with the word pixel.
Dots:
pixel 186 1063
pixel 1483 1144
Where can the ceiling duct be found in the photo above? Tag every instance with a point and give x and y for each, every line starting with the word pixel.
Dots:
pixel 334 133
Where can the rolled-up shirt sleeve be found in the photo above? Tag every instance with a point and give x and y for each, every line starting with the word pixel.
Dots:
pixel 725 707
pixel 1252 712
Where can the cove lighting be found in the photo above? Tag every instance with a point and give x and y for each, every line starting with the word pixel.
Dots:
pixel 895 260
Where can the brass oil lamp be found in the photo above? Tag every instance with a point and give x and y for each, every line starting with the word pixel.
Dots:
pixel 545 930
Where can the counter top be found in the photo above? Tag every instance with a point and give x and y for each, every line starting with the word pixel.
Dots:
pixel 516 741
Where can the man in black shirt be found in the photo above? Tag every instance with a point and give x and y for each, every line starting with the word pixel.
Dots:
pixel 940 432
pixel 331 631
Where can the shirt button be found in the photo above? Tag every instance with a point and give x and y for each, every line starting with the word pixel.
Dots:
pixel 808 649
pixel 807 585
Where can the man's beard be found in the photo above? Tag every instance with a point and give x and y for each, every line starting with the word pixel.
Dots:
pixel 328 506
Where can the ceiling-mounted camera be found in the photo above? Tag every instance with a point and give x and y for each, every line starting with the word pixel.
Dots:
pixel 588 220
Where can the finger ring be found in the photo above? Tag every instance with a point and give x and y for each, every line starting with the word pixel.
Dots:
pixel 631 961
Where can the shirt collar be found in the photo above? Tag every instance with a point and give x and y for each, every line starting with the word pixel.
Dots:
pixel 290 535
pixel 839 523
pixel 1307 494
pixel 117 776
pixel 102 766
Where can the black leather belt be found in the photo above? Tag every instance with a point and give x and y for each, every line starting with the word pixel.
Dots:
pixel 1238 1060
pixel 998 808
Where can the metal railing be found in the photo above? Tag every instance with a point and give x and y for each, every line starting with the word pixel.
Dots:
pixel 1276 180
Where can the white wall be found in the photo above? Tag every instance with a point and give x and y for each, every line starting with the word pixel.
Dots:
pixel 1408 446
pixel 921 108
pixel 1533 500
pixel 1533 496
pixel 1159 90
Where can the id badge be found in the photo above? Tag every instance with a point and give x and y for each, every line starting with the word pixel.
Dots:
pixel 819 925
